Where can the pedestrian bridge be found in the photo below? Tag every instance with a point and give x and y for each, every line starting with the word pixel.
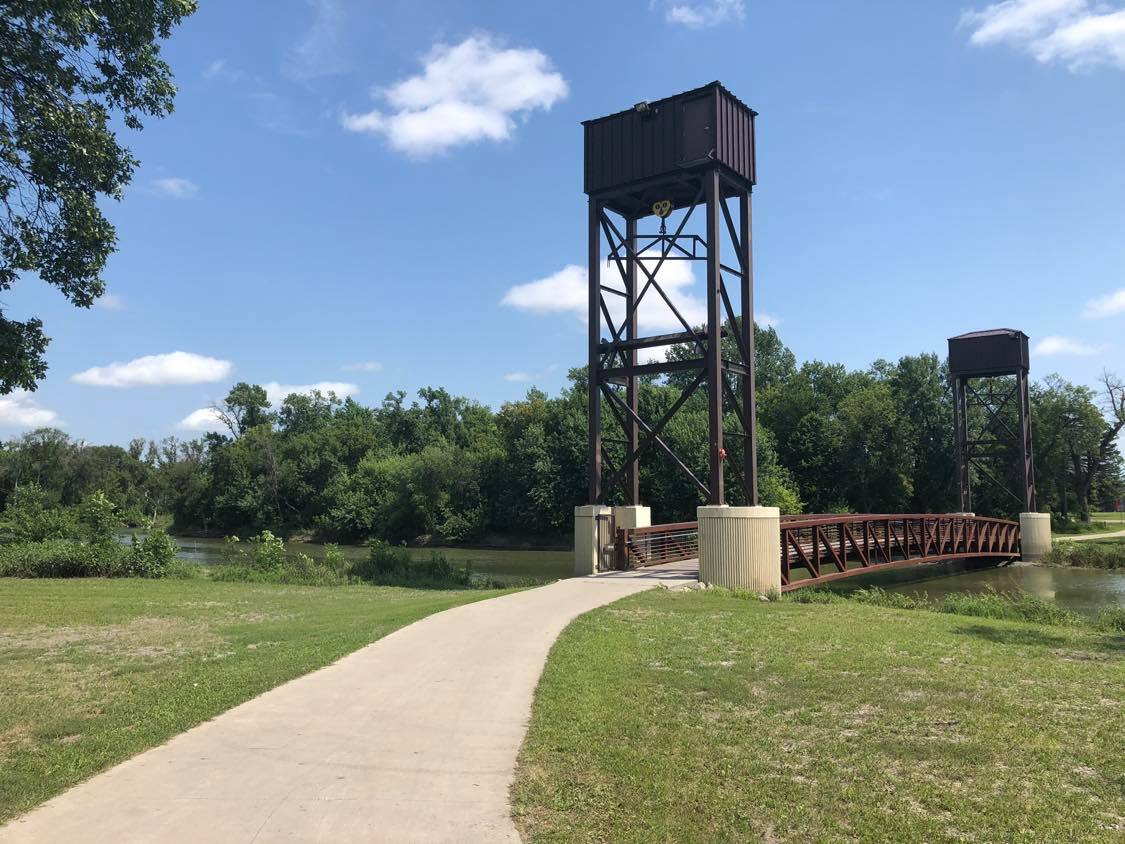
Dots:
pixel 821 548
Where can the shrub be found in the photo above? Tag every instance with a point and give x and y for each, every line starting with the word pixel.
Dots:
pixel 30 516
pixel 1090 555
pixel 54 558
pixel 101 519
pixel 1112 619
pixel 335 560
pixel 151 556
pixel 388 565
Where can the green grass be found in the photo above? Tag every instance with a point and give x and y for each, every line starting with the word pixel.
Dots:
pixel 690 716
pixel 94 671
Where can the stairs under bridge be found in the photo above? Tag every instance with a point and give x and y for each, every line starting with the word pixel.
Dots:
pixel 820 548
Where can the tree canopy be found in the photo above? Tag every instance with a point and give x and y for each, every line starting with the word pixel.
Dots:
pixel 67 68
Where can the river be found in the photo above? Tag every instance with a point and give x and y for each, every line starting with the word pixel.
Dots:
pixel 1081 590
pixel 1086 591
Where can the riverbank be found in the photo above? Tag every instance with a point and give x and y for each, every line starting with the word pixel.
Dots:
pixel 703 716
pixel 95 670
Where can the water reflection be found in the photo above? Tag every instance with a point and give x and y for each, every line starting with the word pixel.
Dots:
pixel 1081 590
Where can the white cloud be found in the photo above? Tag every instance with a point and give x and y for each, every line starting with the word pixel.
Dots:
pixel 466 93
pixel 156 370
pixel 175 187
pixel 1077 33
pixel 1055 345
pixel 109 302
pixel 567 292
pixel 1105 306
pixel 19 410
pixel 277 393
pixel 701 15
pixel 364 366
pixel 204 419
pixel 321 51
pixel 523 377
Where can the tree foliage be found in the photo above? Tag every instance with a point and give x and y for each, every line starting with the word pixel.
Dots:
pixel 445 466
pixel 67 68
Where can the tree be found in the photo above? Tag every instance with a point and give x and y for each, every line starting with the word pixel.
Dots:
pixel 66 69
pixel 246 406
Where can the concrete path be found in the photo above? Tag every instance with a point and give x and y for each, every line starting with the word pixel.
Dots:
pixel 412 738
pixel 1088 536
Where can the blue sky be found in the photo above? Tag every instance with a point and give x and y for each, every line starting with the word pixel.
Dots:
pixel 353 193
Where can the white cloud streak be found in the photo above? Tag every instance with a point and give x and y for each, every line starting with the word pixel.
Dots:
pixel 364 366
pixel 1077 33
pixel 466 93
pixel 706 14
pixel 175 187
pixel 321 51
pixel 19 410
pixel 156 370
pixel 1109 305
pixel 1055 345
pixel 109 302
pixel 204 419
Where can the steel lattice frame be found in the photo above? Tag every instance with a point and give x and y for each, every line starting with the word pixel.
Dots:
pixel 988 447
pixel 613 360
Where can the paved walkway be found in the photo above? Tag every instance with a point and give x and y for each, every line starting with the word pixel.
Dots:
pixel 1082 537
pixel 412 738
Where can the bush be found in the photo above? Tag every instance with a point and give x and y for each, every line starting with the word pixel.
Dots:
pixel 54 558
pixel 30 517
pixel 100 518
pixel 149 557
pixel 387 565
pixel 267 561
pixel 1089 555
pixel 1112 619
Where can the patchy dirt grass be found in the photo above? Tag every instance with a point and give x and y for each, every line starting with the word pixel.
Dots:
pixel 93 671
pixel 701 717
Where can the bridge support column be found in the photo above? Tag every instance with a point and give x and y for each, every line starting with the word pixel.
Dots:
pixel 1035 536
pixel 589 541
pixel 632 516
pixel 740 547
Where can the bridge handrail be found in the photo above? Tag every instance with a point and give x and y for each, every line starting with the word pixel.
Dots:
pixel 821 520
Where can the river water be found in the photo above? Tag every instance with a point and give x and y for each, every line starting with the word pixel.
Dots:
pixel 514 565
pixel 1081 590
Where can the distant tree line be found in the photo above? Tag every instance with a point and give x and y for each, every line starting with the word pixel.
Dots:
pixel 448 467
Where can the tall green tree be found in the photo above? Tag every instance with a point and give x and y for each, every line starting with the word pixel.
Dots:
pixel 67 68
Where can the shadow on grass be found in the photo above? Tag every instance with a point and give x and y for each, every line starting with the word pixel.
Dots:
pixel 1110 644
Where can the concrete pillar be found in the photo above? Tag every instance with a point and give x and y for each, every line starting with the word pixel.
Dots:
pixel 1035 536
pixel 740 547
pixel 632 517
pixel 586 550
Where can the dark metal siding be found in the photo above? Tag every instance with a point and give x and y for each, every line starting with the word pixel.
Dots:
pixel 988 354
pixel 680 131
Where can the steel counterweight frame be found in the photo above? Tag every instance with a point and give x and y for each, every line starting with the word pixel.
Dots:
pixel 613 361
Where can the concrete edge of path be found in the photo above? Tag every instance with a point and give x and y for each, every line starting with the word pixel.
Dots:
pixel 414 737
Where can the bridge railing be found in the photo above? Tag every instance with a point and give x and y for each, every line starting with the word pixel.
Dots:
pixel 821 547
pixel 816 549
pixel 651 546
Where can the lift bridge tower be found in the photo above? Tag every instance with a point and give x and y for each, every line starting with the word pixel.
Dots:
pixel 669 181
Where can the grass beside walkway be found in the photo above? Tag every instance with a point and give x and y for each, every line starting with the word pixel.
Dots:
pixel 94 671
pixel 707 717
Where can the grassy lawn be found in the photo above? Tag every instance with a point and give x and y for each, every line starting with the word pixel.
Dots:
pixel 93 671
pixel 705 717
